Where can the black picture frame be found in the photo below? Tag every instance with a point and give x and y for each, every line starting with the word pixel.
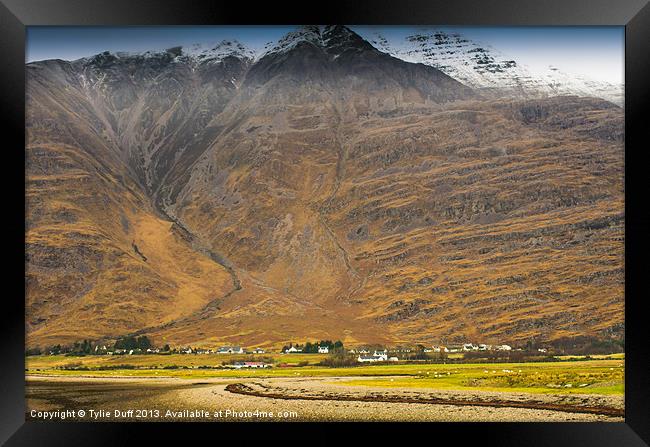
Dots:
pixel 15 15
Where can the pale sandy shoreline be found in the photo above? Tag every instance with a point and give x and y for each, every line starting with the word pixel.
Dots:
pixel 165 393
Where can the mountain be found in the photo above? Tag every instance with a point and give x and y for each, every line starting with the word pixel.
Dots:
pixel 329 54
pixel 487 70
pixel 323 190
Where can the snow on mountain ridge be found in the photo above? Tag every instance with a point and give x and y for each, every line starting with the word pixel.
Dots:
pixel 484 68
pixel 476 65
pixel 198 52
pixel 220 51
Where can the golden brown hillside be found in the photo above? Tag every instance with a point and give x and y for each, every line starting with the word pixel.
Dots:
pixel 364 199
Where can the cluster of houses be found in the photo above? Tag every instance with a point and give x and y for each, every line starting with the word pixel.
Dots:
pixel 186 350
pixel 377 356
pixel 128 351
pixel 364 355
pixel 225 350
pixel 466 347
pixel 240 365
pixel 293 350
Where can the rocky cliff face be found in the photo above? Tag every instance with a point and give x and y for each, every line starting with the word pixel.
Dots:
pixel 325 190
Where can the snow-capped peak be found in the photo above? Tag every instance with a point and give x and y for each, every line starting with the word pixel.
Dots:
pixel 219 51
pixel 327 37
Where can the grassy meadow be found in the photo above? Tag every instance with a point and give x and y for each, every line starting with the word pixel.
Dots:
pixel 587 377
pixel 596 376
pixel 161 361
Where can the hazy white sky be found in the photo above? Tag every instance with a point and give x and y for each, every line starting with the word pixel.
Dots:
pixel 596 52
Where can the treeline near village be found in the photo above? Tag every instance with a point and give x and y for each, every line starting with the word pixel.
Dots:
pixel 338 356
pixel 87 347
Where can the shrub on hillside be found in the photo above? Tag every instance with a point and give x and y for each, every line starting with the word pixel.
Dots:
pixel 339 359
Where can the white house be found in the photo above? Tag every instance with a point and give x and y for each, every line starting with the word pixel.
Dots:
pixel 323 349
pixel 470 347
pixel 372 358
pixel 381 353
pixel 258 351
pixel 504 348
pixel 230 350
pixel 293 349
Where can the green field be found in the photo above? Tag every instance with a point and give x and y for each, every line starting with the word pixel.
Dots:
pixel 160 361
pixel 588 377
pixel 603 376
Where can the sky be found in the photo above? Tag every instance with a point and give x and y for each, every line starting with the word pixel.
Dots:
pixel 593 51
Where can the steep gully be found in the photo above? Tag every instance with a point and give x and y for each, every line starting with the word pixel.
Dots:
pixel 201 247
pixel 342 154
pixel 197 243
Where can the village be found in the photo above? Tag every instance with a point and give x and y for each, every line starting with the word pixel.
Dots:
pixel 366 355
pixel 235 356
